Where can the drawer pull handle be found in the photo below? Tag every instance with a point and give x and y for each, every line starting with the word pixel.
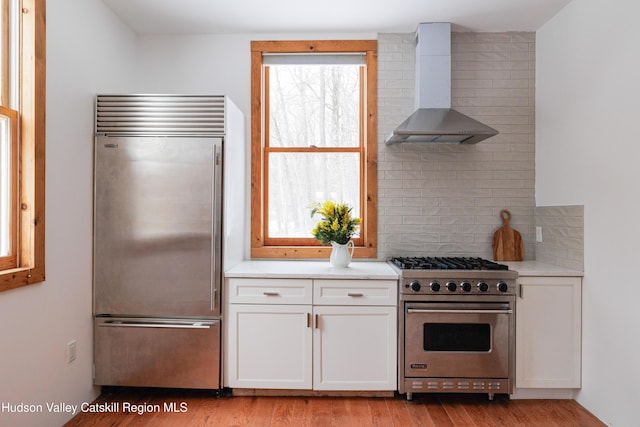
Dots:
pixel 157 324
pixel 317 325
pixel 461 311
pixel 355 294
pixel 271 293
pixel 308 320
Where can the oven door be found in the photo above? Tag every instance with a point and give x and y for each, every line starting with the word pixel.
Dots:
pixel 457 339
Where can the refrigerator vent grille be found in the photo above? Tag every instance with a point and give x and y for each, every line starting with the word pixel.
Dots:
pixel 160 115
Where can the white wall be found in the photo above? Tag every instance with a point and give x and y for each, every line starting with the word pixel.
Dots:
pixel 84 56
pixel 202 64
pixel 208 64
pixel 587 152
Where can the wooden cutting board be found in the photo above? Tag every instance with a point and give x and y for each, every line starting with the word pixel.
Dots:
pixel 507 242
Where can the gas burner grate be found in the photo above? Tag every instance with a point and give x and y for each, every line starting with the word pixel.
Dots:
pixel 446 263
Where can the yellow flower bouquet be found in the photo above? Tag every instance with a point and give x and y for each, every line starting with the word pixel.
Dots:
pixel 336 224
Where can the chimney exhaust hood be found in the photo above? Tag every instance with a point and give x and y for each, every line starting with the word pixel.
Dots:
pixel 434 121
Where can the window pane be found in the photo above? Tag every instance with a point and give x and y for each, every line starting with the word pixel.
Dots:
pixel 313 105
pixel 5 188
pixel 296 180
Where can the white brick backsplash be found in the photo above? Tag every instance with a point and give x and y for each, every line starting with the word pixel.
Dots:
pixel 391 73
pixel 457 238
pixel 421 219
pixel 456 201
pixel 562 235
pixel 390 201
pixel 402 211
pixel 390 183
pixel 420 201
pixel 446 199
pixel 402 228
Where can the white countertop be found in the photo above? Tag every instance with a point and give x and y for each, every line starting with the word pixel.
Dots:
pixel 536 268
pixel 320 269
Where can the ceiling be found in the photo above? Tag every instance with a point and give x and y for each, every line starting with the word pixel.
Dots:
pixel 330 16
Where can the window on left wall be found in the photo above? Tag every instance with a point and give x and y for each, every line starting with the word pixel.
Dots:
pixel 22 142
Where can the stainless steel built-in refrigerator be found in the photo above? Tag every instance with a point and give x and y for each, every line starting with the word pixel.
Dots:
pixel 159 212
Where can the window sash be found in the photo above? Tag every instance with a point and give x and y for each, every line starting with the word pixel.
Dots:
pixel 317 111
pixel 4 52
pixel 271 239
pixel 8 188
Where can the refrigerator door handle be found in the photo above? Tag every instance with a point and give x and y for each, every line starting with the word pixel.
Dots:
pixel 157 324
pixel 217 205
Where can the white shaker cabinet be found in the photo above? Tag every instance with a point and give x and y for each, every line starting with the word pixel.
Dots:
pixel 548 332
pixel 269 333
pixel 319 334
pixel 354 348
pixel 355 334
pixel 269 346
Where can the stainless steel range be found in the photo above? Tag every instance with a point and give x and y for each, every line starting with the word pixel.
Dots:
pixel 456 325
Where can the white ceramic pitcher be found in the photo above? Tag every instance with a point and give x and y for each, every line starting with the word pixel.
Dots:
pixel 341 254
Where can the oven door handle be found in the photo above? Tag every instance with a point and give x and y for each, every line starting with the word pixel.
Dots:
pixel 421 310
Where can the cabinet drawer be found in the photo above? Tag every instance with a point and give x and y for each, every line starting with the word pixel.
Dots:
pixel 269 291
pixel 355 292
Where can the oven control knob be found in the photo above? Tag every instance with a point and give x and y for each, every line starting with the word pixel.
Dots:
pixel 483 287
pixel 502 287
pixel 435 286
pixel 451 286
pixel 465 286
pixel 415 286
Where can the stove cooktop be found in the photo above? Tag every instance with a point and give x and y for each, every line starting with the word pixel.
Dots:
pixel 453 276
pixel 445 263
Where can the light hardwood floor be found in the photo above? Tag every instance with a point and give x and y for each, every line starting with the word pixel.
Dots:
pixel 202 409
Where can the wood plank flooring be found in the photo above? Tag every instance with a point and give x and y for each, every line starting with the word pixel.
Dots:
pixel 201 408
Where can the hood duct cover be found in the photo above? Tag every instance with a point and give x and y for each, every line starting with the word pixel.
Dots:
pixel 434 121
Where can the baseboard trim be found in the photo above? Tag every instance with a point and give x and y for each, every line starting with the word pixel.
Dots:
pixel 545 393
pixel 309 393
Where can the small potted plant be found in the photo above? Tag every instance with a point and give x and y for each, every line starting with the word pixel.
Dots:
pixel 336 227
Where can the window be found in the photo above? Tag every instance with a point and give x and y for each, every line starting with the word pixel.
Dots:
pixel 313 138
pixel 22 136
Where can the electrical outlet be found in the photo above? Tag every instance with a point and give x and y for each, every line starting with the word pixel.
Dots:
pixel 539 234
pixel 71 351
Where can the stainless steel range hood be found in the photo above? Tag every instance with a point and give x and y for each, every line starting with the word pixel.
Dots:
pixel 434 121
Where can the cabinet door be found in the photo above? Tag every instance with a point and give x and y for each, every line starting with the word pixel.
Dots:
pixel 354 348
pixel 548 332
pixel 269 346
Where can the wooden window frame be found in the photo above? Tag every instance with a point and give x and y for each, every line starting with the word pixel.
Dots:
pixel 366 245
pixel 30 263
